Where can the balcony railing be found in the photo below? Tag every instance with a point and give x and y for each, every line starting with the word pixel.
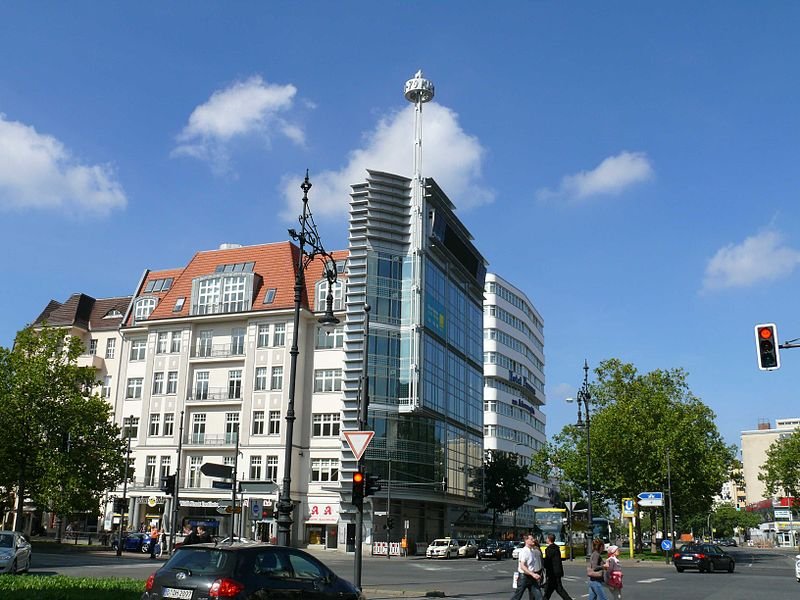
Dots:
pixel 214 394
pixel 217 439
pixel 91 360
pixel 218 350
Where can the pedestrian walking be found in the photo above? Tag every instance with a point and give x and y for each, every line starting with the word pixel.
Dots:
pixel 614 570
pixel 554 569
pixel 529 570
pixel 153 540
pixel 162 541
pixel 595 572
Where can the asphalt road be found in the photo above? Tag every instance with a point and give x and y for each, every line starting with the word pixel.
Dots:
pixel 762 574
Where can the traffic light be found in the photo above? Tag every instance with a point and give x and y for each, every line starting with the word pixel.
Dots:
pixel 389 523
pixel 168 484
pixel 373 485
pixel 358 489
pixel 767 347
pixel 120 505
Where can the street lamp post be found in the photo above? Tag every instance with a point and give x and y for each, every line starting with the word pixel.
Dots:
pixel 124 488
pixel 584 397
pixel 310 248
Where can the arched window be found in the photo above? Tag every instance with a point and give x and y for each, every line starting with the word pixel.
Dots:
pixel 144 307
pixel 322 295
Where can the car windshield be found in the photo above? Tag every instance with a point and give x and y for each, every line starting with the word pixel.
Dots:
pixel 6 540
pixel 439 543
pixel 691 548
pixel 200 560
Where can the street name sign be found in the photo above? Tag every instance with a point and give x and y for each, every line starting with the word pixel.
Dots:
pixel 358 441
pixel 783 514
pixel 651 499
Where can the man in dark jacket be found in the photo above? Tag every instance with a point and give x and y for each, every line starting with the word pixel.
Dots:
pixel 554 569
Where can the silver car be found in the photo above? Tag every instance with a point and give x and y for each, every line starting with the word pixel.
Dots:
pixel 15 552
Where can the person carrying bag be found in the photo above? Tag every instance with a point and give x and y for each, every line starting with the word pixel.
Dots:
pixel 529 570
pixel 614 571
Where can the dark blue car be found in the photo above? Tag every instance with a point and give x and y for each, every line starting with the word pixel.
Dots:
pixel 133 542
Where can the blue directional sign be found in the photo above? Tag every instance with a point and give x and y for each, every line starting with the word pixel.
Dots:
pixel 666 545
pixel 651 499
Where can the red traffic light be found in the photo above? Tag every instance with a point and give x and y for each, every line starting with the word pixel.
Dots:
pixel 767 347
pixel 358 477
pixel 765 333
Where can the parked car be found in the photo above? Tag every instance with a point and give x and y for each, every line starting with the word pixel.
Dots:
pixel 797 567
pixel 491 549
pixel 508 547
pixel 133 542
pixel 235 540
pixel 729 542
pixel 15 552
pixel 442 548
pixel 517 547
pixel 704 557
pixel 246 571
pixel 467 548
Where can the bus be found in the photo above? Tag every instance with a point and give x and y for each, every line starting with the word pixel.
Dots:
pixel 603 529
pixel 552 520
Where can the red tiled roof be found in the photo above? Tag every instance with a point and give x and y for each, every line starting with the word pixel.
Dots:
pixel 275 263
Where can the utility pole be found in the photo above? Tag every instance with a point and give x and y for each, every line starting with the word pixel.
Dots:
pixel 363 411
pixel 124 488
pixel 175 498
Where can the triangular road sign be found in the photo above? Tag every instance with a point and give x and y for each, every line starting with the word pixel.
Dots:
pixel 358 441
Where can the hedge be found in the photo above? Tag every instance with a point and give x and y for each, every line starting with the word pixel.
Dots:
pixel 61 587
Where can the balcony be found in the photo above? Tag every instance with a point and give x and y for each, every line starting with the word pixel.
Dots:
pixel 226 394
pixel 91 360
pixel 212 351
pixel 217 439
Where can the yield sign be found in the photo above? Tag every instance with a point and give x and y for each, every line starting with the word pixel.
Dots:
pixel 358 441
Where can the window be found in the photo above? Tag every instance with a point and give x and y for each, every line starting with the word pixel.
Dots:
pixel 179 304
pixel 328 380
pixel 234 384
pixel 107 386
pixel 92 347
pixel 134 389
pixel 166 463
pixel 260 383
pixel 158 285
pixel 325 425
pixel 231 427
pixel 193 475
pixel 325 469
pixel 198 428
pixel 237 341
pixel 322 295
pixel 229 461
pixel 111 347
pixel 226 291
pixel 144 306
pixel 255 468
pixel 131 427
pixel 201 385
pixel 163 341
pixel 172 382
pixel 258 422
pixel 175 346
pixel 169 424
pixel 204 343
pixel 158 383
pixel 234 293
pixel 150 472
pixel 138 349
pixel 271 473
pixel 269 297
pixel 276 382
pixel 263 335
pixel 327 338
pixel 279 335
pixel 208 296
pixel 274 422
pixel 155 424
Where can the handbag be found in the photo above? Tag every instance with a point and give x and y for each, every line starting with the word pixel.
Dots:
pixel 515 580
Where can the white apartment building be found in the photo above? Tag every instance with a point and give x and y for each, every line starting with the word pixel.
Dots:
pixel 513 338
pixel 755 443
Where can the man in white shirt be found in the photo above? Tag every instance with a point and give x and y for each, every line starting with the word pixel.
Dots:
pixel 529 566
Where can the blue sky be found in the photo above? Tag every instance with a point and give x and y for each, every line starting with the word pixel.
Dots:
pixel 632 166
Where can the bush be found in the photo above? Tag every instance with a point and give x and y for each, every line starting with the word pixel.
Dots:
pixel 61 587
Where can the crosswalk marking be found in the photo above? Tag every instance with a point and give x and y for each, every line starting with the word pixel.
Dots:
pixel 652 580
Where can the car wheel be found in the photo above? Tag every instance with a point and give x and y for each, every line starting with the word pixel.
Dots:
pixel 479 556
pixel 710 567
pixel 145 548
pixel 13 569
pixel 28 565
pixel 731 567
pixel 679 569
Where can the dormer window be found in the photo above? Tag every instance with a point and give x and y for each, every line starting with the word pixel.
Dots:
pixel 113 314
pixel 225 292
pixel 158 285
pixel 322 295
pixel 144 307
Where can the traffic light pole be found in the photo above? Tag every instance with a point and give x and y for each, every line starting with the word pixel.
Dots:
pixel 363 408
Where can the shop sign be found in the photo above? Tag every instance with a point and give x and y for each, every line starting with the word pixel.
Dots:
pixel 198 503
pixel 151 501
pixel 322 513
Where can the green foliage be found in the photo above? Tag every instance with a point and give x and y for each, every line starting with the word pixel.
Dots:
pixel 636 420
pixel 781 471
pixel 507 485
pixel 60 587
pixel 726 518
pixel 57 443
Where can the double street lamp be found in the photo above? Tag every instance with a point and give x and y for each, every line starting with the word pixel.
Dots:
pixel 310 248
pixel 584 397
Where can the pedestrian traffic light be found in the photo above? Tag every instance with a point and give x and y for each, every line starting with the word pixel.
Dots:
pixel 373 485
pixel 767 347
pixel 120 505
pixel 168 484
pixel 358 489
pixel 389 523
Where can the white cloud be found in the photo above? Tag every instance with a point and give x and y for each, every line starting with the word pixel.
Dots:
pixel 759 258
pixel 251 107
pixel 451 156
pixel 612 176
pixel 37 171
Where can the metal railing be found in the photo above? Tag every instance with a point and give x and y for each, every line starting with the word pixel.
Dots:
pixel 201 350
pixel 205 439
pixel 212 394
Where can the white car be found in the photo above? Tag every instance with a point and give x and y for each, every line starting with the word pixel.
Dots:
pixel 517 547
pixel 797 567
pixel 15 552
pixel 442 548
pixel 467 548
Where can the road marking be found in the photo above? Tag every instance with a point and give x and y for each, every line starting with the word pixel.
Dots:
pixel 652 580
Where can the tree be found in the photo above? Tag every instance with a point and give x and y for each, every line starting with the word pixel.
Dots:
pixel 58 446
pixel 636 420
pixel 507 485
pixel 726 519
pixel 781 471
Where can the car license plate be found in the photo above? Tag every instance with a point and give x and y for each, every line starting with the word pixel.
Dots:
pixel 176 593
pixel 687 557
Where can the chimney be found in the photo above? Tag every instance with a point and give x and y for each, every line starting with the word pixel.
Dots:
pixel 763 424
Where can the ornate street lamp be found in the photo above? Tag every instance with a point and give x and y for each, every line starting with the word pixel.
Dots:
pixel 125 486
pixel 310 248
pixel 584 397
